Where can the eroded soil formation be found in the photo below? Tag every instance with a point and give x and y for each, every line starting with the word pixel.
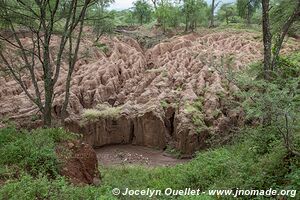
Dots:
pixel 172 95
pixel 78 163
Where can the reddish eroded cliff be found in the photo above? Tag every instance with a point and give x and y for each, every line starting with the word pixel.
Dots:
pixel 172 94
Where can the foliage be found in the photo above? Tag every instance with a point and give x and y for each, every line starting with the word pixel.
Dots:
pixel 103 47
pixel 105 24
pixel 173 152
pixel 195 109
pixel 195 12
pixel 129 18
pixel 124 17
pixel 104 3
pixel 29 166
pixel 238 166
pixel 41 20
pixel 168 14
pixel 103 21
pixel 28 188
pixel 32 152
pixel 276 102
pixel 142 10
pixel 280 12
pixel 164 104
pixel 245 164
pixel 227 12
pixel 246 8
pixel 101 111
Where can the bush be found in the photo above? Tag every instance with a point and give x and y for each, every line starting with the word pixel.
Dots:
pixel 29 188
pixel 33 152
pixel 103 47
pixel 274 103
pixel 243 165
pixel 195 110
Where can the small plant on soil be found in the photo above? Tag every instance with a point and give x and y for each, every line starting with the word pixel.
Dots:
pixel 221 94
pixel 35 118
pixel 103 47
pixel 164 104
pixel 216 113
pixel 173 152
pixel 179 89
pixel 197 117
pixel 164 73
pixel 157 70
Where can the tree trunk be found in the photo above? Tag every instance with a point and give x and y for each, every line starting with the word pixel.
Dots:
pixel 249 15
pixel 47 116
pixel 48 87
pixel 212 14
pixel 48 81
pixel 98 37
pixel 48 104
pixel 186 22
pixel 267 38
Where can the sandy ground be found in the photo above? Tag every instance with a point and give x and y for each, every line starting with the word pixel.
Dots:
pixel 135 155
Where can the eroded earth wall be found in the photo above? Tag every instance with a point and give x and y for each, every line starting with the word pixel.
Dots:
pixel 173 94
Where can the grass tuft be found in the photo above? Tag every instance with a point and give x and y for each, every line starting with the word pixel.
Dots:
pixel 102 111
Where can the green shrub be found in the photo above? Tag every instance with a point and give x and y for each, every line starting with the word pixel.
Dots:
pixel 103 47
pixel 34 151
pixel 29 188
pixel 8 135
pixel 164 104
pixel 242 165
pixel 173 151
pixel 236 166
pixel 195 110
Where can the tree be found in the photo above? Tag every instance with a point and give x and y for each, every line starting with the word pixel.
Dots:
pixel 104 26
pixel 285 14
pixel 213 7
pixel 102 20
pixel 155 3
pixel 129 17
pixel 103 4
pixel 40 18
pixel 226 11
pixel 286 92
pixel 267 38
pixel 246 9
pixel 194 11
pixel 167 14
pixel 142 10
pixel 212 13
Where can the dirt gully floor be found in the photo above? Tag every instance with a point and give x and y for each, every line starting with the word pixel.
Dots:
pixel 135 155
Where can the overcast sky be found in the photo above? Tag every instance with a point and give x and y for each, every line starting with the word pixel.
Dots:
pixel 124 4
